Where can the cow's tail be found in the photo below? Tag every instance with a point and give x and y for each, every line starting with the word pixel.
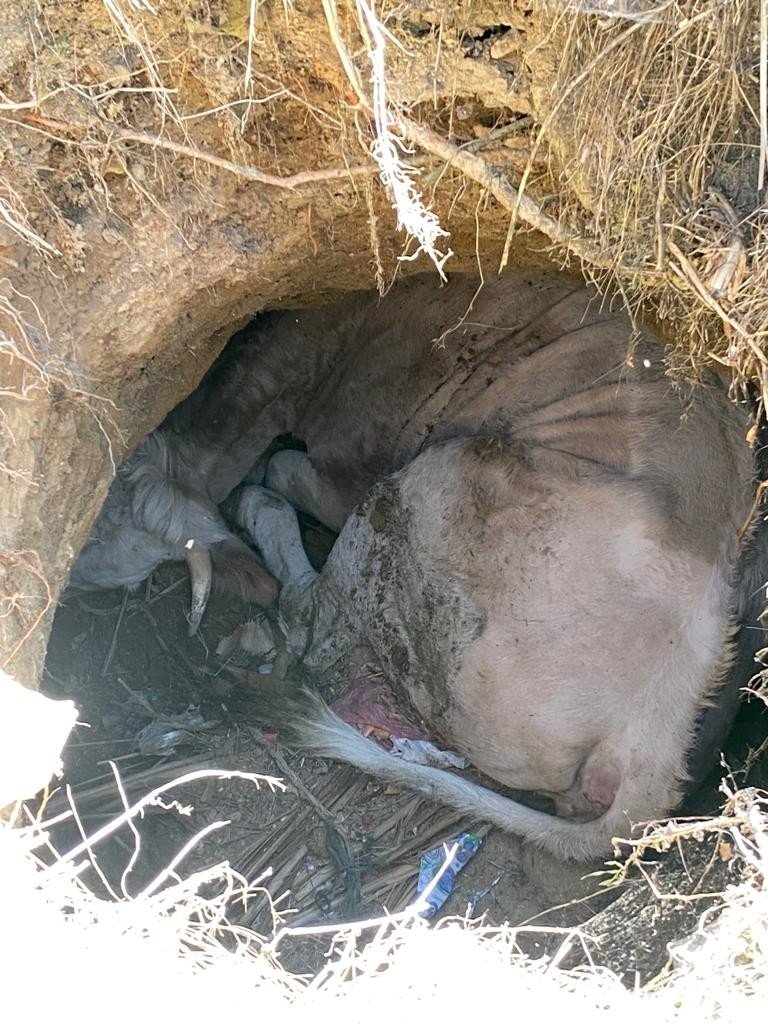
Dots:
pixel 306 721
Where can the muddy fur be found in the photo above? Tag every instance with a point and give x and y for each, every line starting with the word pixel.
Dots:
pixel 420 607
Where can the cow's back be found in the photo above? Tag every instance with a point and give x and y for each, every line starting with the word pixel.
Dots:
pixel 367 383
pixel 533 358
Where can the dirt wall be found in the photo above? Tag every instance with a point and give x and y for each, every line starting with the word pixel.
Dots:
pixel 166 173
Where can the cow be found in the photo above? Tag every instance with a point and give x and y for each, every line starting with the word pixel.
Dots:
pixel 548 545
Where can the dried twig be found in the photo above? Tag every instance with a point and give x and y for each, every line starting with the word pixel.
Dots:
pixel 30 562
pixel 113 643
pixel 562 97
pixel 290 182
pixel 504 192
pixel 306 794
pixel 763 93
pixel 688 274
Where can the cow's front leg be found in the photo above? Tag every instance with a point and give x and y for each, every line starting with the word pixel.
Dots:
pixel 273 527
pixel 271 523
pixel 312 608
pixel 293 475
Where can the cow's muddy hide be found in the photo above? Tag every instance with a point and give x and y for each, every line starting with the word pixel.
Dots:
pixel 545 558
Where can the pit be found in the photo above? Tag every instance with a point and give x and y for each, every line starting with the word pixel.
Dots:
pixel 158 705
pixel 341 846
pixel 149 242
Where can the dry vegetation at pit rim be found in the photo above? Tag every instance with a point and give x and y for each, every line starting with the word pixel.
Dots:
pixel 175 926
pixel 167 172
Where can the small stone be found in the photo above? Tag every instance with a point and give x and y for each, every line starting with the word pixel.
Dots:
pixel 110 236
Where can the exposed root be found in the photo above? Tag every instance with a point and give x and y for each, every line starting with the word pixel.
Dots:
pixel 413 217
pixel 511 198
pixel 112 134
pixel 15 217
pixel 29 607
pixel 136 36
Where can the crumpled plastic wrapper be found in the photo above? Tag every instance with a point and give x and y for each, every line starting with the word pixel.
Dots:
pixel 439 867
pixel 167 732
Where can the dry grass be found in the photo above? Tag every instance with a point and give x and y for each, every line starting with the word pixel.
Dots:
pixel 656 132
pixel 662 127
pixel 174 945
pixel 349 873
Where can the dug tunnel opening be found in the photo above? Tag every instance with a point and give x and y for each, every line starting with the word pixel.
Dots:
pixel 159 703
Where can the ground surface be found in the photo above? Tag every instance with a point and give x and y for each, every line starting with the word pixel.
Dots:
pixel 367 860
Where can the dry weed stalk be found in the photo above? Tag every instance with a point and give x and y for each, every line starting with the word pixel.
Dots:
pixel 135 35
pixel 29 607
pixel 174 938
pixel 655 130
pixel 15 217
pixel 740 830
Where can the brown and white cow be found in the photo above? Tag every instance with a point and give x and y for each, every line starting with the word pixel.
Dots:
pixel 540 535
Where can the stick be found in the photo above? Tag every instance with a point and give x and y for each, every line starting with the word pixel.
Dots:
pixel 113 644
pixel 290 182
pixel 499 186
